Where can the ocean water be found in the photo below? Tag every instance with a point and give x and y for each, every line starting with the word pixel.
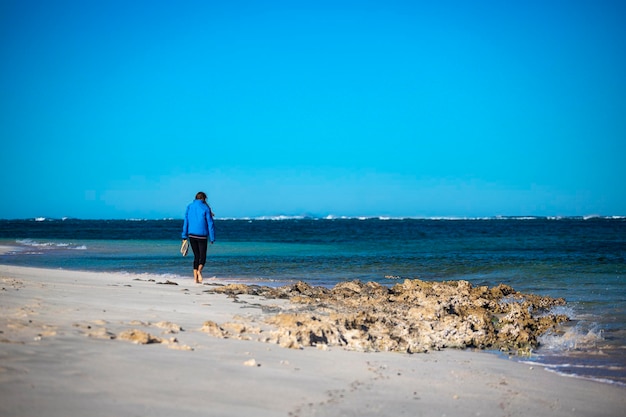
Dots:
pixel 580 259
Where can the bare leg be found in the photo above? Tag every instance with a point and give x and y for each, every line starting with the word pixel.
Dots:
pixel 195 275
pixel 199 280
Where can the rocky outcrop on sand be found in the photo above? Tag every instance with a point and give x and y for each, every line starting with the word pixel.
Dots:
pixel 413 316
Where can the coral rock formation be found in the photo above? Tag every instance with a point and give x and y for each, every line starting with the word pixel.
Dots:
pixel 413 316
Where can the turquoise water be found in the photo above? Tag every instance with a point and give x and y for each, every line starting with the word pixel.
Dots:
pixel 582 260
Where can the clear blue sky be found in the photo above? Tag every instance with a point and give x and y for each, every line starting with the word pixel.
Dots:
pixel 125 109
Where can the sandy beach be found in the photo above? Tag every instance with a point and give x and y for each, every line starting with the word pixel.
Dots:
pixel 101 344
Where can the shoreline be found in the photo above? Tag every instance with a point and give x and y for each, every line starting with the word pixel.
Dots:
pixel 68 348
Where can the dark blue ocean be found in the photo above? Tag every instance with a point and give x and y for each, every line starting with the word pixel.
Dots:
pixel 580 259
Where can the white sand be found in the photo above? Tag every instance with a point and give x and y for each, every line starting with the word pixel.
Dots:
pixel 4 249
pixel 54 361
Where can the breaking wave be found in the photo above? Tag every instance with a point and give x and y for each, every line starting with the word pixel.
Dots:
pixel 50 245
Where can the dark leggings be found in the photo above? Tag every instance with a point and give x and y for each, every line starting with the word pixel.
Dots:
pixel 199 248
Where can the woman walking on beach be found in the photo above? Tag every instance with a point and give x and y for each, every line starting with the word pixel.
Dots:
pixel 199 229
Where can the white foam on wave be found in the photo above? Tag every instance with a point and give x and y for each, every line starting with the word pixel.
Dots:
pixel 279 217
pixel 581 336
pixel 441 218
pixel 375 217
pixel 434 218
pixel 49 245
pixel 559 370
pixel 34 243
pixel 580 333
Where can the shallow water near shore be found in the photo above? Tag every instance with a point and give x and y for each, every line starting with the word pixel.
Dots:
pixel 581 260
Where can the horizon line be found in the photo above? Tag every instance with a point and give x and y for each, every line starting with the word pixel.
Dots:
pixel 336 217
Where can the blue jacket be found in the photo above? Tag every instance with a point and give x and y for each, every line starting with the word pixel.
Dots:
pixel 198 221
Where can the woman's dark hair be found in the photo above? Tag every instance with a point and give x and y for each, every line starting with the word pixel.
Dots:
pixel 201 196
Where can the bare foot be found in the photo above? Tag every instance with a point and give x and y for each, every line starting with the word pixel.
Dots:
pixel 199 279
